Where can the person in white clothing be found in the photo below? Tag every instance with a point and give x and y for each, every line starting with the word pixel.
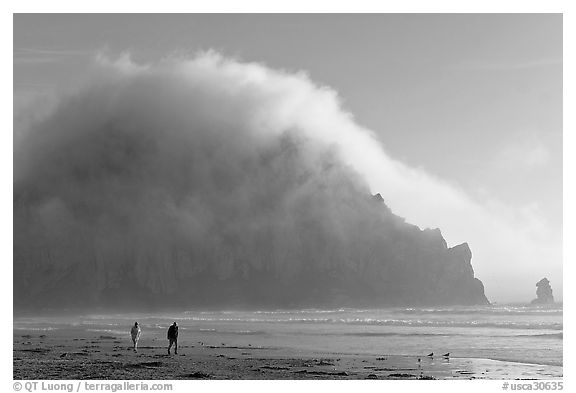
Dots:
pixel 135 333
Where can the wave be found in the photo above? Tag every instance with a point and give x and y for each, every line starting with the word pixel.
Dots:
pixel 95 323
pixel 483 311
pixel 313 311
pixel 391 322
pixel 457 310
pixel 559 336
pixel 249 332
pixel 110 331
pixel 536 362
pixel 40 329
pixel 418 334
pixel 237 332
pixel 278 312
pixel 389 334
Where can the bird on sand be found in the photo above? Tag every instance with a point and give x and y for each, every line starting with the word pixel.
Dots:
pixel 446 355
pixel 431 354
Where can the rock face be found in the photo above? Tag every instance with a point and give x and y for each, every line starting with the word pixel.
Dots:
pixel 384 262
pixel 543 292
pixel 159 192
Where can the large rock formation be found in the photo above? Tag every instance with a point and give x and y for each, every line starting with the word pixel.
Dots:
pixel 378 260
pixel 543 292
pixel 211 190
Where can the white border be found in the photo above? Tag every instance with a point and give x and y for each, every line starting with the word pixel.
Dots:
pixel 249 6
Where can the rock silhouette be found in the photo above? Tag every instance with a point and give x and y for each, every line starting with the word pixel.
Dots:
pixel 382 260
pixel 543 292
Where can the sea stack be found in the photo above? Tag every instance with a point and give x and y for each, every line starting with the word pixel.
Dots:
pixel 543 292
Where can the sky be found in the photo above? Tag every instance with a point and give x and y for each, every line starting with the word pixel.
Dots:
pixel 474 102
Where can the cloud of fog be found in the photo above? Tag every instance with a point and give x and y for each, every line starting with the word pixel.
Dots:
pixel 189 144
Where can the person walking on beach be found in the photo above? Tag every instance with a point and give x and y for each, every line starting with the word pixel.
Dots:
pixel 135 333
pixel 173 338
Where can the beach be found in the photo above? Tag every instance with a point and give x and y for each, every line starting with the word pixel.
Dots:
pixel 51 356
pixel 297 344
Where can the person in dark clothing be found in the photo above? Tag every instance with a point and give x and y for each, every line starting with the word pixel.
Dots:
pixel 173 338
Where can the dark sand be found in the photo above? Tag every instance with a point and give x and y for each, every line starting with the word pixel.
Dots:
pixel 65 355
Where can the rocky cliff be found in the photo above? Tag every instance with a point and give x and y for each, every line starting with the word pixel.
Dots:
pixel 210 190
pixel 373 259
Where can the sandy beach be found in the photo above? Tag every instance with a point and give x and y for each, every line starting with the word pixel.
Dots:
pixel 66 354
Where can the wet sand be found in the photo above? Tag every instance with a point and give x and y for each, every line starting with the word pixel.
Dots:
pixel 66 355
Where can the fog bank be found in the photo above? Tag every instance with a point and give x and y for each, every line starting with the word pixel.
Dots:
pixel 192 166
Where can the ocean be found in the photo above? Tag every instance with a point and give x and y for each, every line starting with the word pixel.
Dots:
pixel 513 333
